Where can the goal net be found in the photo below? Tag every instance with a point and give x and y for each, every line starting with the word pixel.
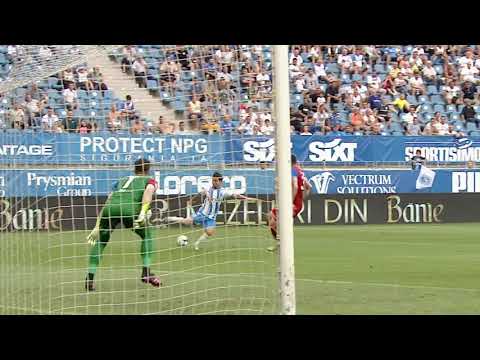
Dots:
pixel 196 110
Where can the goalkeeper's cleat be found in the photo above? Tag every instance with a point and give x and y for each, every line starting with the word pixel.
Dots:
pixel 152 280
pixel 196 245
pixel 89 285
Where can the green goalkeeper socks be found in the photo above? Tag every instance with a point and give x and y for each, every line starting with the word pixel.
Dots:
pixel 97 250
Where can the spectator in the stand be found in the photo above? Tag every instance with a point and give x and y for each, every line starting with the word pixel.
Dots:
pixel 451 93
pixel 294 69
pixel 129 54
pixel 84 127
pixel 469 91
pixel 451 131
pixel 194 122
pixel 160 126
pixel 83 82
pixel 400 104
pixel 417 160
pixel 408 116
pixel 18 120
pixel 139 68
pixel 333 96
pixel 67 78
pixel 311 80
pixel 113 118
pixel 430 74
pixel 400 84
pixel 226 126
pixel 58 127
pixel 70 123
pixel 468 113
pixel 356 118
pixel 129 107
pixel 388 85
pixel 374 81
pixel 414 128
pixel 416 85
pixel 137 127
pixel 48 120
pixel 305 131
pixel 181 128
pixel 194 107
pixel 70 96
pixel 469 73
pixel 442 126
pixel 246 127
pixel 375 100
pixel 33 109
pixel 267 128
pixel 320 72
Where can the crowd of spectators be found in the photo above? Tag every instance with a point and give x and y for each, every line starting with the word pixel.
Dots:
pixel 227 89
pixel 385 90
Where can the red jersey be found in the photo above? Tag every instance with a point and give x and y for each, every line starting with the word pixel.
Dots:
pixel 298 172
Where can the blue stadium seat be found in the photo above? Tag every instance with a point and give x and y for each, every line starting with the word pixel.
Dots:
pixel 180 106
pixel 412 99
pixel 432 90
pixel 423 99
pixel 356 77
pixel 397 133
pixel 426 117
pixel 379 68
pixel 471 126
pixel 108 94
pixel 438 107
pixel 426 107
pixel 395 126
pixel 454 116
pixel 152 84
pixel 474 133
pixel 3 59
pixel 451 108
pixel 52 81
pixel 437 99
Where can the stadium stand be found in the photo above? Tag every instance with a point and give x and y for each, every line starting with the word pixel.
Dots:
pixel 359 90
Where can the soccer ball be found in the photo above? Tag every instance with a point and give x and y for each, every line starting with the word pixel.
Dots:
pixel 182 240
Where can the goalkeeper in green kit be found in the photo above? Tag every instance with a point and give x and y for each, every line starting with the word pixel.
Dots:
pixel 128 204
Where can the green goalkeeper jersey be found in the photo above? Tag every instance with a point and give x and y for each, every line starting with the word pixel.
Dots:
pixel 126 199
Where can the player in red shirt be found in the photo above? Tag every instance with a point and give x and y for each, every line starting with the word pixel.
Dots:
pixel 300 190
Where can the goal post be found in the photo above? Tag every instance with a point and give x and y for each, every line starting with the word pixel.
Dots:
pixel 54 183
pixel 284 176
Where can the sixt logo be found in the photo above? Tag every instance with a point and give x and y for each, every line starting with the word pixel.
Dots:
pixel 334 150
pixel 259 151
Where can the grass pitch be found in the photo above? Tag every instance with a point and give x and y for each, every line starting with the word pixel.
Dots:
pixel 369 269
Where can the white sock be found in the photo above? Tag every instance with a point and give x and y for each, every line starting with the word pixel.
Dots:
pixel 200 239
pixel 174 218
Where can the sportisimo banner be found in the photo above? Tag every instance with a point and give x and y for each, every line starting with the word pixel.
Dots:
pixel 108 148
pixel 74 182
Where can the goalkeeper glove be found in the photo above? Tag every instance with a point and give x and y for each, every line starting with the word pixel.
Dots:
pixel 143 217
pixel 95 234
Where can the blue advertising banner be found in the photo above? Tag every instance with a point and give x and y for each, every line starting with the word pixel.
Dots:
pixel 55 182
pixel 101 148
pixel 311 150
pixel 106 148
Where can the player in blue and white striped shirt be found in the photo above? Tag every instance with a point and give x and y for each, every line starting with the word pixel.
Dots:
pixel 207 214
